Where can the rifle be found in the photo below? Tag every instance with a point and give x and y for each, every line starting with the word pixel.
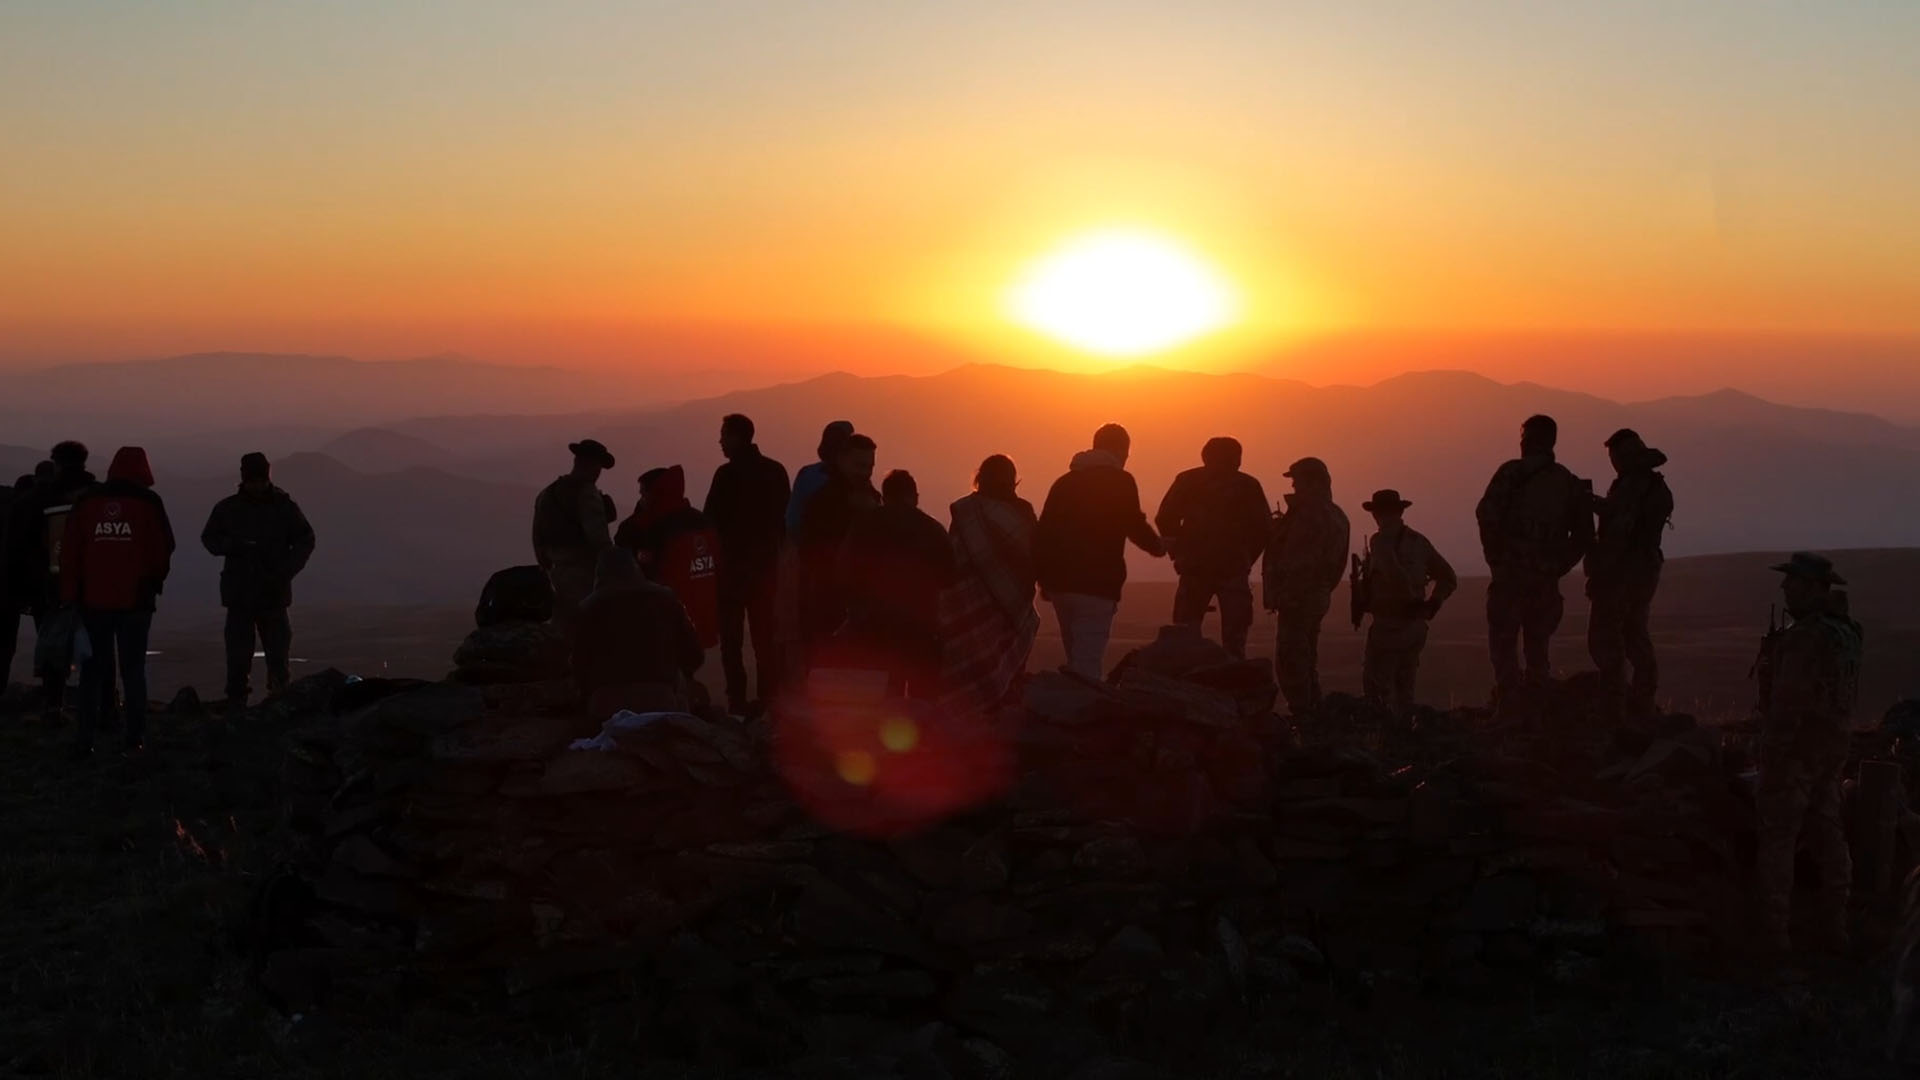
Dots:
pixel 1360 581
pixel 1270 559
pixel 1763 664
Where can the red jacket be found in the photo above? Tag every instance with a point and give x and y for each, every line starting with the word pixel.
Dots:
pixel 118 545
pixel 677 547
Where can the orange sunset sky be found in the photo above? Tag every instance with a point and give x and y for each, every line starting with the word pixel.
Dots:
pixel 785 187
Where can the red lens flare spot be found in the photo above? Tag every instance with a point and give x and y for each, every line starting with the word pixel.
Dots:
pixel 878 766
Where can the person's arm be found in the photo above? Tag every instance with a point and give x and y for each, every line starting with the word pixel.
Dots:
pixel 1138 530
pixel 1173 508
pixel 1445 581
pixel 940 554
pixel 1579 523
pixel 591 508
pixel 1659 510
pixel 161 558
pixel 779 498
pixel 687 641
pixel 216 537
pixel 1491 508
pixel 1339 544
pixel 79 522
pixel 1256 520
pixel 300 540
pixel 1801 666
pixel 715 504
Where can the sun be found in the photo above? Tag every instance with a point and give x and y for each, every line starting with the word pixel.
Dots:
pixel 1122 292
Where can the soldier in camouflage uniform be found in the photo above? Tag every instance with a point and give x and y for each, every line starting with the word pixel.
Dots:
pixel 1304 563
pixel 1536 524
pixel 1623 573
pixel 570 527
pixel 1806 714
pixel 1399 566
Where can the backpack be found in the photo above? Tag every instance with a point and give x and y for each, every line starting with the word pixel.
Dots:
pixel 1531 513
pixel 516 594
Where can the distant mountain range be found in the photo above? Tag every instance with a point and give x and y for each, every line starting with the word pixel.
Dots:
pixel 420 510
pixel 277 398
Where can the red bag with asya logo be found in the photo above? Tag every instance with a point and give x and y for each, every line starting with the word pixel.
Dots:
pixel 690 566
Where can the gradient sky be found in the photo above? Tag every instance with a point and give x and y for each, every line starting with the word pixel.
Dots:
pixel 569 181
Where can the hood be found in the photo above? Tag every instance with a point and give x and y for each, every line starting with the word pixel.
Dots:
pixel 616 568
pixel 1652 459
pixel 667 488
pixel 1094 459
pixel 130 466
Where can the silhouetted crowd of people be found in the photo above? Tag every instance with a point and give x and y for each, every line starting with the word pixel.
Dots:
pixel 829 571
pixel 87 561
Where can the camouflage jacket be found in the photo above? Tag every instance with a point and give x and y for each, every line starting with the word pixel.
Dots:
pixel 1633 519
pixel 1536 520
pixel 1308 553
pixel 1399 566
pixel 1816 676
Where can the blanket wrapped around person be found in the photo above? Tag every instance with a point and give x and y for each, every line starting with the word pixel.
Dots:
pixel 987 618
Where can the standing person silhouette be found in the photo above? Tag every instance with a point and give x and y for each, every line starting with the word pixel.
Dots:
pixel 265 541
pixel 1079 546
pixel 747 504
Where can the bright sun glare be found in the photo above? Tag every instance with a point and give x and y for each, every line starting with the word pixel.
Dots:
pixel 1122 292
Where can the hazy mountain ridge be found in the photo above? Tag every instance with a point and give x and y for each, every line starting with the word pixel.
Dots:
pixel 420 510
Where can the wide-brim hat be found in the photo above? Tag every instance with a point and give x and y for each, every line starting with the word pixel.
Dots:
pixel 1805 564
pixel 592 450
pixel 1385 499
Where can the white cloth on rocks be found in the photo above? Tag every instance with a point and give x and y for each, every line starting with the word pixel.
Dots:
pixel 621 723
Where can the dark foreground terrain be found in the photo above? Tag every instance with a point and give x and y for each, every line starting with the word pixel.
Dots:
pixel 129 949
pixel 1707 622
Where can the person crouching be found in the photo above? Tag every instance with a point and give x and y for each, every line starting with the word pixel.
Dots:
pixel 633 646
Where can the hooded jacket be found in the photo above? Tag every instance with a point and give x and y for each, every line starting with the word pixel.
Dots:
pixel 265 540
pixel 630 630
pixel 676 546
pixel 1079 546
pixel 1307 552
pixel 118 544
pixel 1633 518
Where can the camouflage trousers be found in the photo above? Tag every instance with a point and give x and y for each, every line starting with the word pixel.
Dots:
pixel 1394 645
pixel 1522 612
pixel 1799 797
pixel 1296 649
pixel 1618 636
pixel 572 577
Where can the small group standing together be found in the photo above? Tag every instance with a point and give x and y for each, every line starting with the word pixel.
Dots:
pixel 88 559
pixel 1537 523
pixel 824 568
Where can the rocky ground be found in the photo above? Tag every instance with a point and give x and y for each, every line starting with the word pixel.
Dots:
pixel 1156 878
